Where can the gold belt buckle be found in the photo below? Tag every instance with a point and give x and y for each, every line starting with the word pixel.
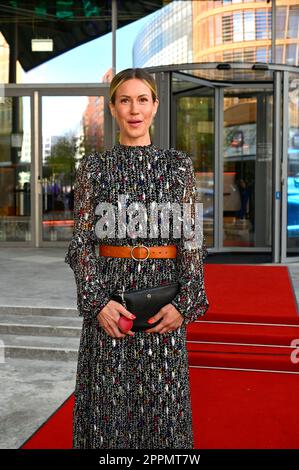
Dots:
pixel 139 259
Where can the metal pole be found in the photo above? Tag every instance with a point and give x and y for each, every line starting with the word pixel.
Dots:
pixel 114 29
pixel 277 170
pixel 273 32
pixel 284 175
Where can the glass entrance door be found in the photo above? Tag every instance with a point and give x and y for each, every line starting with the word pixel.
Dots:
pixel 15 169
pixel 77 129
pixel 194 132
pixel 228 131
pixel 247 168
pixel 290 179
pixel 72 125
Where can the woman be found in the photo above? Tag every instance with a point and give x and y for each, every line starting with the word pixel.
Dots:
pixel 132 388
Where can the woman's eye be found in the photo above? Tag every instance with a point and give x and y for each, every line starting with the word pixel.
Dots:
pixel 124 100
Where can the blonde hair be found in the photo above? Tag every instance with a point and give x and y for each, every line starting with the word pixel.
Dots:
pixel 127 74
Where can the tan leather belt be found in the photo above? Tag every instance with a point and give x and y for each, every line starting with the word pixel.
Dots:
pixel 138 252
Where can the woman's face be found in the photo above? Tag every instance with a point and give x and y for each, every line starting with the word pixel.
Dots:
pixel 134 110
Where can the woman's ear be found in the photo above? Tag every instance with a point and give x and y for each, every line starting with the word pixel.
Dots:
pixel 156 106
pixel 111 107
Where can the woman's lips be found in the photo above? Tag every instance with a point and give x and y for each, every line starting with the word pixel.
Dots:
pixel 134 123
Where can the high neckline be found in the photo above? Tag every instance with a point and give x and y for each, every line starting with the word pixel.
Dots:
pixel 125 147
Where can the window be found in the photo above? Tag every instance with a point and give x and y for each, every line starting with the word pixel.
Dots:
pixel 261 24
pixel 227 28
pixel 249 26
pixel 238 55
pixel 280 22
pixel 291 54
pixel 293 22
pixel 249 55
pixel 227 56
pixel 261 54
pixel 238 27
pixel 279 55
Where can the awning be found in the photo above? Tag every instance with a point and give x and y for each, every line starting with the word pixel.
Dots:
pixel 69 23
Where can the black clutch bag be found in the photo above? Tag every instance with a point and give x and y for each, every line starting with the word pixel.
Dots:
pixel 145 303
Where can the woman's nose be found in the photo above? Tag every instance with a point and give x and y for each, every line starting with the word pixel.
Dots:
pixel 134 107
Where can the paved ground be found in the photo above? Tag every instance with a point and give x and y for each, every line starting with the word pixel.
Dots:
pixel 36 277
pixel 32 389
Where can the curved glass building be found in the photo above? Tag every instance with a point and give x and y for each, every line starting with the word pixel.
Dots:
pixel 223 30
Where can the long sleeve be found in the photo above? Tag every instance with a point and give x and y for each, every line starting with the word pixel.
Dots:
pixel 92 294
pixel 191 301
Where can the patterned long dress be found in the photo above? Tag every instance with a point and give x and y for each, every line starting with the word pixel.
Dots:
pixel 133 392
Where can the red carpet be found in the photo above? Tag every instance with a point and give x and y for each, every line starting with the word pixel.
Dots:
pixel 252 408
pixel 56 432
pixel 231 410
pixel 250 293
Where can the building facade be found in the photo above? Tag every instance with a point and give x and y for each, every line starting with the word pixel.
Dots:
pixel 238 120
pixel 220 31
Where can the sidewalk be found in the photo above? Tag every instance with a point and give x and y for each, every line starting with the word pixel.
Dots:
pixel 34 385
pixel 36 277
pixel 32 389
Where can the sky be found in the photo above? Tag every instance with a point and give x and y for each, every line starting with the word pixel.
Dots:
pixel 89 62
pixel 83 64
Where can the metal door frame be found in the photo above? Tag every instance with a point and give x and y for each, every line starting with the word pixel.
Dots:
pixel 218 152
pixel 36 92
pixel 283 137
pixel 218 216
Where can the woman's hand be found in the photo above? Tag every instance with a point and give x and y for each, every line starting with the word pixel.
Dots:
pixel 108 319
pixel 171 320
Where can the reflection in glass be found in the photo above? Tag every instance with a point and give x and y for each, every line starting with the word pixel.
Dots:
pixel 247 177
pixel 195 135
pixel 15 169
pixel 227 28
pixel 238 27
pixel 72 126
pixel 291 54
pixel 280 22
pixel 249 26
pixel 292 31
pixel 293 168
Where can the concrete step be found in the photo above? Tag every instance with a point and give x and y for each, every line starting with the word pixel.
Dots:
pixel 38 325
pixel 39 347
pixel 45 319
pixel 41 311
pixel 39 330
pixel 39 333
